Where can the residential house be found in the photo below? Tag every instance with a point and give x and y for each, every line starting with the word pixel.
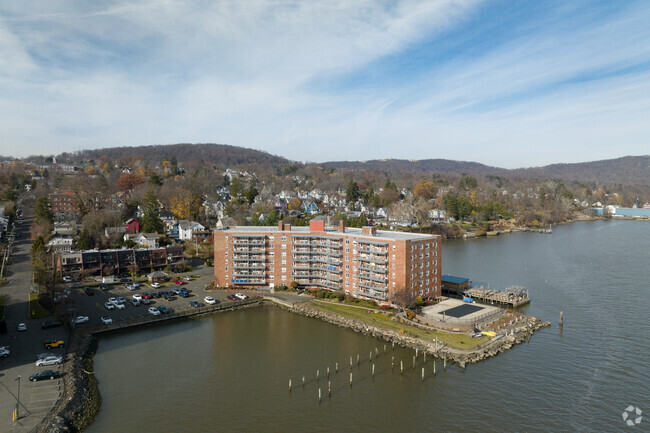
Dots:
pixel 185 229
pixel 310 207
pixel 59 244
pixel 132 226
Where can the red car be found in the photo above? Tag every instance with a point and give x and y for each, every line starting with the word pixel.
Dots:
pixel 179 282
pixel 146 296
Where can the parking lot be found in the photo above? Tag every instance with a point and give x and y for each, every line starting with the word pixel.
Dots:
pixel 95 305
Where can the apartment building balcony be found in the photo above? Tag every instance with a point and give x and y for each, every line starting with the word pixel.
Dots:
pixel 371 250
pixel 249 259
pixel 248 242
pixel 372 286
pixel 372 259
pixel 244 265
pixel 238 281
pixel 382 296
pixel 378 278
pixel 376 269
pixel 248 250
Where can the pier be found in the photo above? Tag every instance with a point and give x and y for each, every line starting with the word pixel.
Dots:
pixel 513 296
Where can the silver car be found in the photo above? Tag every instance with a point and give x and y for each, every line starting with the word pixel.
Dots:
pixel 49 360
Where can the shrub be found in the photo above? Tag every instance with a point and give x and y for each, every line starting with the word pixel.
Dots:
pixel 410 315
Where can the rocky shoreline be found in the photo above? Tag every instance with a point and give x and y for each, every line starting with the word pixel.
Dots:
pixel 510 337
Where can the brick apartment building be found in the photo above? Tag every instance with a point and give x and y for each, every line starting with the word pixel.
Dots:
pixel 381 265
pixel 117 261
pixel 64 204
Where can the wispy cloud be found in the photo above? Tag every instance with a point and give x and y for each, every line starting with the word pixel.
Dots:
pixel 328 80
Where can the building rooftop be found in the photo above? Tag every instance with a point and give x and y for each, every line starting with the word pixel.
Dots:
pixel 349 231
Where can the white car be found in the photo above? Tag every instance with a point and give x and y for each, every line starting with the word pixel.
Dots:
pixel 49 360
pixel 155 285
pixel 109 305
pixel 137 296
pixel 80 319
pixel 22 327
pixel 4 351
pixel 67 279
pixel 106 320
pixel 240 296
pixel 154 311
pixel 209 300
pixel 119 305
pixel 187 278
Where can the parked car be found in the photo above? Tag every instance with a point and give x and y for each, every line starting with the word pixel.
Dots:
pixel 163 309
pixel 153 311
pixel 49 360
pixel 134 302
pixel 240 296
pixel 104 286
pixel 183 294
pixel 80 319
pixel 22 327
pixel 179 282
pixel 169 297
pixel 146 295
pixel 145 301
pixel 106 320
pixel 195 304
pixel 112 300
pixel 137 296
pixel 44 375
pixel 119 305
pixel 155 285
pixel 121 300
pixel 50 324
pixel 210 300
pixel 232 297
pixel 53 344
pixel 88 291
pixel 187 278
pixel 109 305
pixel 67 279
pixel 4 352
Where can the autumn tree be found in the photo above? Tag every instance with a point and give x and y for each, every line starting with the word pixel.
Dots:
pixel 426 189
pixel 128 181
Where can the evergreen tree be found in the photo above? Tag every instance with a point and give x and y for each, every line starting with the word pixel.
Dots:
pixel 151 222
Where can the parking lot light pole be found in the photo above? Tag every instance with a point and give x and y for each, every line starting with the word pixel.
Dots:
pixel 18 399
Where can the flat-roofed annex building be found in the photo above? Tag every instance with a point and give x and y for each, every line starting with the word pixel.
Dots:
pixel 381 265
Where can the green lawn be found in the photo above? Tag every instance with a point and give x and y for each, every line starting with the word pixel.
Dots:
pixel 36 311
pixel 454 340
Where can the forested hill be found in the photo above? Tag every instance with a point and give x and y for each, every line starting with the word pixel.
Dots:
pixel 221 154
pixel 627 170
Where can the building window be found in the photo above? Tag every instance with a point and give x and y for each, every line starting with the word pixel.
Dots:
pixel 421 246
pixel 393 256
pixel 347 250
pixel 347 283
pixel 284 246
pixel 284 238
pixel 421 292
pixel 271 262
pixel 226 268
pixel 347 275
pixel 284 253
pixel 347 241
pixel 226 238
pixel 271 238
pixel 393 265
pixel 347 266
pixel 347 258
pixel 421 255
pixel 393 247
pixel 272 277
pixel 393 274
pixel 226 261
pixel 393 283
pixel 284 262
pixel 271 254
pixel 284 278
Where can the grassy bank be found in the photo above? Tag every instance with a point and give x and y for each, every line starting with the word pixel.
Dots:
pixel 36 310
pixel 454 340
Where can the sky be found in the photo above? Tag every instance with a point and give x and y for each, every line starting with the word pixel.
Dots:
pixel 503 83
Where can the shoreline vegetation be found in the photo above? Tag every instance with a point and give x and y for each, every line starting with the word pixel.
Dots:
pixel 81 400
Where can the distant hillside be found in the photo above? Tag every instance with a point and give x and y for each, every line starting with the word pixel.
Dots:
pixel 628 170
pixel 220 154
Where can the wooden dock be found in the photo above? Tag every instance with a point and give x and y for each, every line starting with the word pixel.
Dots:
pixel 513 296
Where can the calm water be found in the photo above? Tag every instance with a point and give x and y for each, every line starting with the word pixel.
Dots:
pixel 230 372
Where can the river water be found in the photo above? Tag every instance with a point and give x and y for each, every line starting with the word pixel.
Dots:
pixel 230 372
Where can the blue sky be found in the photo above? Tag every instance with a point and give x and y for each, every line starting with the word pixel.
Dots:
pixel 509 84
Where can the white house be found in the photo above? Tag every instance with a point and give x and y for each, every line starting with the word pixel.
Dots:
pixel 186 228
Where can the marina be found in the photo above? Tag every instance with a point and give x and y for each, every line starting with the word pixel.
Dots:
pixel 464 288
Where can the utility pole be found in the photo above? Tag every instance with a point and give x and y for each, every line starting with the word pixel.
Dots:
pixel 18 399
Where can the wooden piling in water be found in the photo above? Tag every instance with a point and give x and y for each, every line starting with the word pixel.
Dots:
pixel 414 363
pixel 370 357
pixel 289 385
pixel 425 357
pixel 434 367
pixel 416 351
pixel 422 374
pixel 303 380
pixel 357 359
pixel 350 378
pixel 384 348
pixel 328 371
pixel 373 370
pixel 376 352
pixel 319 397
pixel 329 388
pixel 392 362
pixel 337 368
pixel 561 318
pixel 317 375
pixel 444 364
pixel 401 367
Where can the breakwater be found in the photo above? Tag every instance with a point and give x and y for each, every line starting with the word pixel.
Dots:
pixel 509 337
